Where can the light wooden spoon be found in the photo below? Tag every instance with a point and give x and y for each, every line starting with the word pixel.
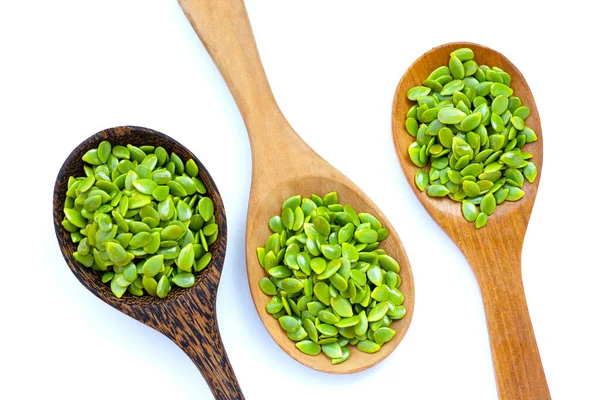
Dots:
pixel 494 252
pixel 282 166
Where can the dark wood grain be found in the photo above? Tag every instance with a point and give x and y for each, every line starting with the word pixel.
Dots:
pixel 186 316
pixel 283 165
pixel 494 252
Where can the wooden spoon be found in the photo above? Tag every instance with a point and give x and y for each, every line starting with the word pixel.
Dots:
pixel 494 251
pixel 282 166
pixel 186 316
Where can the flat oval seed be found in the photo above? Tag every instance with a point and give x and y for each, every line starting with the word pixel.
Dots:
pixel 421 179
pixel 452 86
pixel 378 312
pixel 498 89
pixel 456 67
pixel 380 293
pixel 367 346
pixel 417 91
pixel 184 280
pixel 450 116
pixel 366 235
pixel 186 257
pixel 308 347
pixel 267 286
pixel 292 285
pixel 389 264
pixel 153 265
pixel 289 324
pixel 470 122
pixel 206 208
pixel 332 350
pixel 287 218
pixel 437 191
pixel 522 112
pixel 512 159
pixel 530 172
pixel 342 306
pixel 383 335
pixel 514 193
pixel 481 220
pixel 500 104
pixel 116 253
pixel 463 54
pixel 470 188
pixel 488 204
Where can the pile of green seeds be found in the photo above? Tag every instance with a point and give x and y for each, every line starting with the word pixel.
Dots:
pixel 140 217
pixel 331 285
pixel 470 130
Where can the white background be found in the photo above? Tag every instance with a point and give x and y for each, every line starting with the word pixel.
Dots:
pixel 71 68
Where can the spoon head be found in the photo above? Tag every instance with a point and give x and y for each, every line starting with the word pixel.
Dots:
pixel 510 218
pixel 73 166
pixel 265 204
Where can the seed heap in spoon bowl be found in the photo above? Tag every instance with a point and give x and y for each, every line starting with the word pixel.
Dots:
pixel 331 285
pixel 140 216
pixel 470 131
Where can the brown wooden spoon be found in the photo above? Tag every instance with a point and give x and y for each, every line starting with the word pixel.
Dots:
pixel 494 251
pixel 282 166
pixel 186 316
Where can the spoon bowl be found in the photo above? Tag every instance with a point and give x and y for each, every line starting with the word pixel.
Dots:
pixel 494 251
pixel 282 166
pixel 258 232
pixel 186 316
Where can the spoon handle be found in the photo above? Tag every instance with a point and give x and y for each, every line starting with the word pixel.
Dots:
pixel 224 29
pixel 191 322
pixel 517 363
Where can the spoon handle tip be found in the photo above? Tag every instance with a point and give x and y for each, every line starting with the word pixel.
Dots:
pixel 191 322
pixel 517 363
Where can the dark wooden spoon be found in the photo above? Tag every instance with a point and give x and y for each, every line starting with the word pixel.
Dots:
pixel 186 316
pixel 494 252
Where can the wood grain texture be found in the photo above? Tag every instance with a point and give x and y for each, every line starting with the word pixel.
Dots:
pixel 282 166
pixel 186 316
pixel 494 252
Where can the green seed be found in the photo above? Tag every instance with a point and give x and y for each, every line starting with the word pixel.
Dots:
pixel 530 172
pixel 389 264
pixel 184 280
pixel 367 346
pixel 378 312
pixel 450 115
pixel 470 122
pixel 308 347
pixel 470 188
pixel 456 67
pixel 332 350
pixel 488 204
pixel 289 324
pixel 418 91
pixel 500 89
pixel 463 54
pixel 163 287
pixel 437 191
pixel 383 335
pixel 452 86
pixel 206 208
pixel 481 220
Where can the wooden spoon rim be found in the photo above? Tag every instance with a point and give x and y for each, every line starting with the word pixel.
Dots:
pixel 91 279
